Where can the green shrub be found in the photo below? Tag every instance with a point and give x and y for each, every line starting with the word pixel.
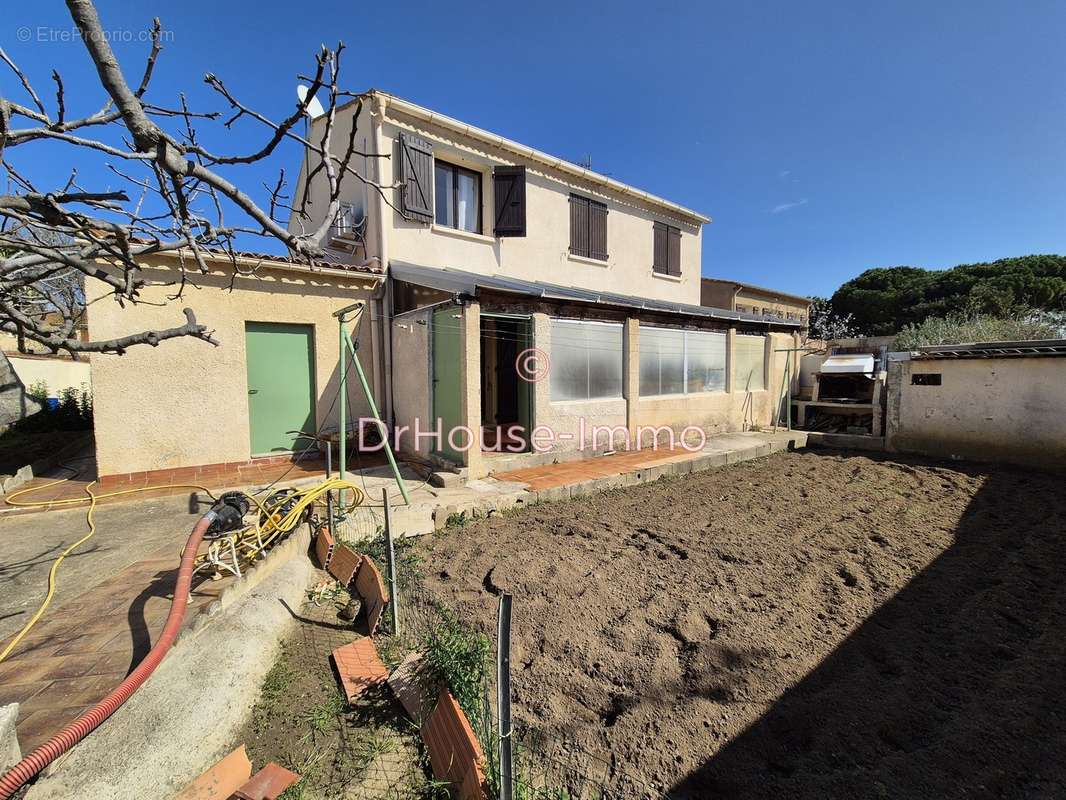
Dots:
pixel 74 412
pixel 38 390
pixel 965 328
pixel 458 658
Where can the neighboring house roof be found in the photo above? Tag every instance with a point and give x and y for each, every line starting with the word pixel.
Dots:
pixel 530 154
pixel 762 289
pixel 458 281
pixel 1025 349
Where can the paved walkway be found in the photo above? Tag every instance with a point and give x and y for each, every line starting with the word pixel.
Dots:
pixel 112 599
pixel 551 476
pixel 176 482
pixel 718 450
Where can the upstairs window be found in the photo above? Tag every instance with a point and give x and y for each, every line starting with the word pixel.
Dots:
pixel 457 197
pixel 588 228
pixel 666 251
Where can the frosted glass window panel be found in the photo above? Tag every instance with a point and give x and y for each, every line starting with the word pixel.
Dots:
pixel 662 361
pixel 649 362
pixel 672 362
pixel 705 355
pixel 750 355
pixel 586 360
pixel 569 372
pixel 605 360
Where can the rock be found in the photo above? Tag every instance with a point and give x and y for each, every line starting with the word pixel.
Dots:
pixel 10 753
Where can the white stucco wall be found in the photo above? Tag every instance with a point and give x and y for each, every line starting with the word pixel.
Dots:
pixel 185 403
pixel 1003 409
pixel 57 373
pixel 543 253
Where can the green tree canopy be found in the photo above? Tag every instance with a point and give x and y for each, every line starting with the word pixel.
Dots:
pixel 884 300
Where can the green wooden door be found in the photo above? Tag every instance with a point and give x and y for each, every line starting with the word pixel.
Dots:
pixel 525 386
pixel 281 386
pixel 447 405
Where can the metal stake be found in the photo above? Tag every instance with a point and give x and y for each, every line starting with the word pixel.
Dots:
pixel 329 494
pixel 343 431
pixel 390 558
pixel 503 696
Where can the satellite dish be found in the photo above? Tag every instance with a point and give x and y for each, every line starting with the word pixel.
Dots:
pixel 314 108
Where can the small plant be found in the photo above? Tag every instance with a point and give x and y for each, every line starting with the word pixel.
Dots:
pixel 277 681
pixel 458 658
pixel 323 717
pixel 456 521
pixel 38 390
pixel 72 412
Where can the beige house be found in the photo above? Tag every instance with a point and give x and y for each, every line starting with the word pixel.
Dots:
pixel 515 299
pixel 756 300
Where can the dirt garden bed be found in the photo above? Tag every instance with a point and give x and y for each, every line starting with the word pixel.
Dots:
pixel 367 751
pixel 812 624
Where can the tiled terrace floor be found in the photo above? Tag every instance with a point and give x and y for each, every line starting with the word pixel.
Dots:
pixel 87 642
pixel 550 476
pixel 83 648
pixel 165 484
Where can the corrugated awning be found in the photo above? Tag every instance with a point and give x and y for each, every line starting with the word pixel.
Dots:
pixel 458 281
pixel 1027 349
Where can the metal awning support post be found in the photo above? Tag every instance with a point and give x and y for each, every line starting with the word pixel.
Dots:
pixel 786 381
pixel 356 309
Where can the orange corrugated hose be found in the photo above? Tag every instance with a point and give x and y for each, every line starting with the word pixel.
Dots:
pixel 31 765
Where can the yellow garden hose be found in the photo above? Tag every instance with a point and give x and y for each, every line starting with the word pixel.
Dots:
pixel 91 500
pixel 269 520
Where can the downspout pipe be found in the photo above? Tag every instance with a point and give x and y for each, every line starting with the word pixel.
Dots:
pixel 381 230
pixel 33 764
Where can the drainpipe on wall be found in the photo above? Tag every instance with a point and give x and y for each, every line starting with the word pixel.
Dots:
pixel 384 304
pixel 736 291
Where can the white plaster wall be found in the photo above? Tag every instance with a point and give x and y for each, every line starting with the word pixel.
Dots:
pixel 1008 409
pixel 541 255
pixel 185 403
pixel 58 373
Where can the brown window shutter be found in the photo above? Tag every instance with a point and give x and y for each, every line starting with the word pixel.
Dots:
pixel 673 251
pixel 509 198
pixel 416 176
pixel 597 230
pixel 579 225
pixel 659 249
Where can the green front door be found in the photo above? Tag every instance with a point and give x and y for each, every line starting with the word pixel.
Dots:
pixel 447 407
pixel 281 387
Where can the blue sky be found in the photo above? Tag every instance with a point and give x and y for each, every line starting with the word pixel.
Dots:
pixel 823 138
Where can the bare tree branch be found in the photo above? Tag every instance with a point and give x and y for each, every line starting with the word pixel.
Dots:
pixel 54 238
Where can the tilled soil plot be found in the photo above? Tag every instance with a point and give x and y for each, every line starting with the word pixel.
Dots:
pixel 812 624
